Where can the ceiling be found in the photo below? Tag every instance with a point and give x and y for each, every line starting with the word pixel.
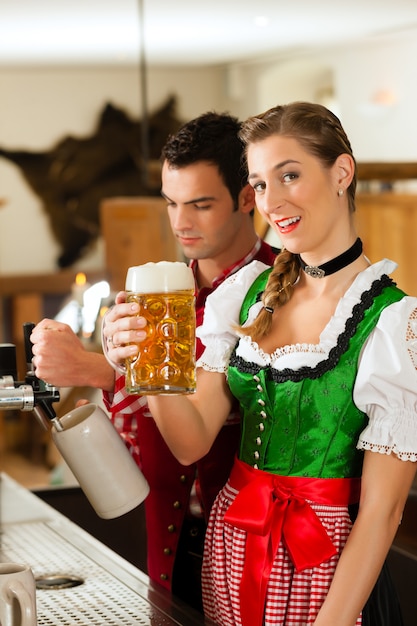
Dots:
pixel 188 31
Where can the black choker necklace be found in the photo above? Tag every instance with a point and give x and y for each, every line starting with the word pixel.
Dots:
pixel 341 261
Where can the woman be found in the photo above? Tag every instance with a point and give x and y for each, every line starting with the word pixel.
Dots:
pixel 321 353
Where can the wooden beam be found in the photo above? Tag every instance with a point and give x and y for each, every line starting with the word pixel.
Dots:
pixel 387 172
pixel 56 283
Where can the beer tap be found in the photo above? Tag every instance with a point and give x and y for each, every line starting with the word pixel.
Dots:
pixel 32 394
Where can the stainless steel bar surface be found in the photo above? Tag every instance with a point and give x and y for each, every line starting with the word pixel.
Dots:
pixel 80 581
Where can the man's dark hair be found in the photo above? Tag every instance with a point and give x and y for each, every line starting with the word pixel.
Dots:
pixel 211 137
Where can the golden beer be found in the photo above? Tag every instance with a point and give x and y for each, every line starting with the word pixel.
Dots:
pixel 166 359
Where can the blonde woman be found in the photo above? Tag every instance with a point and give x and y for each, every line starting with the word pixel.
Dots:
pixel 320 352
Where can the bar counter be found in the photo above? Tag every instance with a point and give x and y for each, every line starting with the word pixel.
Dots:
pixel 80 581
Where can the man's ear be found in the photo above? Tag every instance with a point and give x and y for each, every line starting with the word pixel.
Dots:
pixel 247 199
pixel 344 171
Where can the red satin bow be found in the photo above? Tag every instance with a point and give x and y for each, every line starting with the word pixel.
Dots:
pixel 270 508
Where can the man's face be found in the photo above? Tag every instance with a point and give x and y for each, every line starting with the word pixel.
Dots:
pixel 201 209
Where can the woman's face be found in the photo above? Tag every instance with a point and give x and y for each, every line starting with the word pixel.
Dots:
pixel 296 194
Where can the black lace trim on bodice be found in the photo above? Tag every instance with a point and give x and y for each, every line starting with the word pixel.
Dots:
pixel 335 353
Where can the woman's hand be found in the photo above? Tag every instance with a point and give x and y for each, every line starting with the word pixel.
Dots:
pixel 123 329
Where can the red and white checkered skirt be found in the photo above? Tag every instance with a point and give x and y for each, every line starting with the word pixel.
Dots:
pixel 293 598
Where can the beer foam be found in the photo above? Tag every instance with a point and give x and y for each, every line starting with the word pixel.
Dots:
pixel 163 276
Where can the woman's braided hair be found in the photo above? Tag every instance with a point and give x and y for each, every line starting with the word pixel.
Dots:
pixel 321 134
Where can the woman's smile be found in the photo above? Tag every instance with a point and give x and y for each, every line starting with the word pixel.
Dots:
pixel 287 224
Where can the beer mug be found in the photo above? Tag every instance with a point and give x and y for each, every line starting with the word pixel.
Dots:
pixel 99 460
pixel 165 363
pixel 17 595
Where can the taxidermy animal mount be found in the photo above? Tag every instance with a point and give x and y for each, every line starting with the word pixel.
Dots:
pixel 74 176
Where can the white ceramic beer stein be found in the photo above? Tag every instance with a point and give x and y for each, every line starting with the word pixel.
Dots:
pixel 17 595
pixel 99 460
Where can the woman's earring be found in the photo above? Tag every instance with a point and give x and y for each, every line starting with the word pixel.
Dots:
pixel 340 193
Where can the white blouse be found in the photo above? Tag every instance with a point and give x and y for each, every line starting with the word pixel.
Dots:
pixel 386 384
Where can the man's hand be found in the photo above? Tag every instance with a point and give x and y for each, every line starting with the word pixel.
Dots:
pixel 60 358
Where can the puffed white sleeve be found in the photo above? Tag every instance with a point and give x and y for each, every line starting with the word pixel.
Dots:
pixel 221 317
pixel 386 384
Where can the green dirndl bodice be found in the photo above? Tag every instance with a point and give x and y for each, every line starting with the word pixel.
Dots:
pixel 303 422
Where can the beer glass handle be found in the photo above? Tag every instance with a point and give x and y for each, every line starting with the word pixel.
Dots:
pixel 119 367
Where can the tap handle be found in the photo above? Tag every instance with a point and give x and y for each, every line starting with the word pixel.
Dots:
pixel 45 394
pixel 27 331
pixel 8 363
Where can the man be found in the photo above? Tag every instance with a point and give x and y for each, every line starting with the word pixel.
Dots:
pixel 210 208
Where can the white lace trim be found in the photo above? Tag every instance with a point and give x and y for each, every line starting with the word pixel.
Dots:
pixel 386 449
pixel 363 281
pixel 223 305
pixel 392 430
pixel 411 337
pixel 221 369
pixel 283 351
pixel 216 356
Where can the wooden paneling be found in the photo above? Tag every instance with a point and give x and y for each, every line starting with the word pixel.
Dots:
pixel 135 231
pixel 22 299
pixel 25 296
pixel 387 225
